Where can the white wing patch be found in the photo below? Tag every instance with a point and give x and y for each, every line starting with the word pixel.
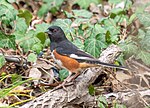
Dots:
pixel 80 57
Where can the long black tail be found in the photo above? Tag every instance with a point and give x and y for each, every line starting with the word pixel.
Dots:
pixel 110 65
pixel 99 63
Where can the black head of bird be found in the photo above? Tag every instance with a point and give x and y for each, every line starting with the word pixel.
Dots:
pixel 55 34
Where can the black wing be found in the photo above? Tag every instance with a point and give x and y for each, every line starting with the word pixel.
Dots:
pixel 68 49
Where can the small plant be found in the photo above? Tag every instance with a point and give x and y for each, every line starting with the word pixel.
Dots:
pixel 102 103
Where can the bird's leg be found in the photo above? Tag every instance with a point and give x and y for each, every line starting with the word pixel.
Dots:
pixel 64 82
pixel 73 77
pixel 68 79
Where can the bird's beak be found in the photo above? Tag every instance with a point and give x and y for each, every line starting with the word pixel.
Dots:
pixel 46 31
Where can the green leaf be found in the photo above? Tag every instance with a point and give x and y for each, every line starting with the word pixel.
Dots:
pixel 116 11
pixel 114 38
pixel 99 29
pixel 129 49
pixel 102 100
pixel 7 12
pixel 119 106
pixel 111 26
pixel 78 21
pixel 54 10
pixel 63 74
pixel 69 15
pixel 101 105
pixel 41 27
pixel 101 38
pixel 50 5
pixel 21 28
pixel 132 18
pixel 141 34
pixel 85 3
pixel 43 10
pixel 114 1
pixel 121 18
pixel 55 3
pixel 93 45
pixel 37 47
pixel 145 42
pixel 7 16
pixel 28 41
pixel 65 24
pixel 25 14
pixel 112 30
pixel 108 40
pixel 47 43
pixel 121 59
pixel 79 43
pixel 2 60
pixel 15 78
pixel 4 2
pixel 144 56
pixel 32 57
pixel 42 37
pixel 82 13
pixel 91 90
pixel 109 22
pixel 80 30
pixel 7 41
pixel 144 18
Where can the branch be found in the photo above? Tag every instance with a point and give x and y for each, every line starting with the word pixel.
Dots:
pixel 78 92
pixel 132 99
pixel 15 59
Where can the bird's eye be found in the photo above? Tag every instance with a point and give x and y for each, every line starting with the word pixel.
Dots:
pixel 54 30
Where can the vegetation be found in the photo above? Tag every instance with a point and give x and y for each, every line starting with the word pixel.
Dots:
pixel 87 23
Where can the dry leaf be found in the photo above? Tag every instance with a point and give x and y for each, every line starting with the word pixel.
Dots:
pixel 35 74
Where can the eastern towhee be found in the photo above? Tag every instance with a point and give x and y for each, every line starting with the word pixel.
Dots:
pixel 70 57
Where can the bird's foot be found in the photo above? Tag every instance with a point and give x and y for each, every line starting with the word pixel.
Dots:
pixel 62 85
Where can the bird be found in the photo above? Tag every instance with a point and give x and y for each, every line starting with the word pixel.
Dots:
pixel 70 57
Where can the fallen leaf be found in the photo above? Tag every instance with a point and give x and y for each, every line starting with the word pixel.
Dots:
pixel 35 74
